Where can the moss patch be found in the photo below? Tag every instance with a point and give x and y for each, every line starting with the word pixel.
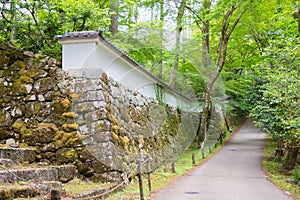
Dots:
pixel 69 127
pixel 66 155
pixel 70 115
pixel 63 138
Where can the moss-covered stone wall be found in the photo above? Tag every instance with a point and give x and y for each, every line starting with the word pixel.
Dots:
pixel 93 122
pixel 36 106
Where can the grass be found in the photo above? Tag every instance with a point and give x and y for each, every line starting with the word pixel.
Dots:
pixel 77 186
pixel 276 174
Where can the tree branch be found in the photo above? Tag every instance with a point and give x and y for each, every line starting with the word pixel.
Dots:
pixel 194 12
pixel 32 12
pixel 238 19
pixel 3 15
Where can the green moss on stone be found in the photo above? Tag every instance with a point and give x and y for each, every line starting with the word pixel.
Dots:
pixel 116 129
pixel 61 106
pixel 66 155
pixel 114 137
pixel 5 194
pixel 34 73
pixel 70 127
pixel 4 133
pixel 18 65
pixel 71 115
pixel 63 138
pixel 105 78
pixel 17 125
pixel 25 79
pixel 18 88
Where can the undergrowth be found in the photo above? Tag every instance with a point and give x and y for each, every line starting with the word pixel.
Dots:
pixel 287 181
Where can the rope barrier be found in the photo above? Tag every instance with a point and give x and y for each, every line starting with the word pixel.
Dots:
pixel 114 188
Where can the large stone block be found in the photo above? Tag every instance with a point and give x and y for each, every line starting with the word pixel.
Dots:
pixel 18 155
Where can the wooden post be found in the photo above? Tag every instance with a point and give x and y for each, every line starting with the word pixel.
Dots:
pixel 173 167
pixel 202 152
pixel 227 124
pixel 193 158
pixel 149 174
pixel 140 171
pixel 221 138
pixel 55 194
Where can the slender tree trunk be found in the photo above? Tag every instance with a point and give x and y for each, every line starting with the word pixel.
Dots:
pixel 226 31
pixel 206 62
pixel 114 6
pixel 177 45
pixel 12 20
pixel 205 29
pixel 129 17
pixel 291 158
pixel 161 17
pixel 297 15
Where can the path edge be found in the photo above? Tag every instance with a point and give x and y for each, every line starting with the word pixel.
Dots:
pixel 202 162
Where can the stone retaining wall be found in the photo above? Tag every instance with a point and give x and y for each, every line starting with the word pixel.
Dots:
pixel 95 123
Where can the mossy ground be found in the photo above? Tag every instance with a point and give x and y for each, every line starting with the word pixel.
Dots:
pixel 273 168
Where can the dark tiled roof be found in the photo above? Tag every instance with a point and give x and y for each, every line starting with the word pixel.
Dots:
pixel 84 34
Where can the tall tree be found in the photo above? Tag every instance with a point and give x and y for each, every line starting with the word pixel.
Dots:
pixel 226 30
pixel 205 29
pixel 114 22
pixel 8 16
pixel 161 18
pixel 297 15
pixel 179 26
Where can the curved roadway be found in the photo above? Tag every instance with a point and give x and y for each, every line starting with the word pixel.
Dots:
pixel 233 173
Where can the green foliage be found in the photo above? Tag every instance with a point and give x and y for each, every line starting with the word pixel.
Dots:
pixel 296 175
pixel 144 43
pixel 273 168
pixel 32 25
pixel 276 93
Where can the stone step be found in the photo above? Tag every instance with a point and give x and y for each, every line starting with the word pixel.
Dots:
pixel 5 163
pixel 18 155
pixel 52 173
pixel 12 191
pixel 28 190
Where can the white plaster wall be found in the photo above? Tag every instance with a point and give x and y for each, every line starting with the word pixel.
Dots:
pixel 95 54
pixel 75 55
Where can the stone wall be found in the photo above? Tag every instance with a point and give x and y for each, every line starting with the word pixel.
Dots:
pixel 114 121
pixel 88 120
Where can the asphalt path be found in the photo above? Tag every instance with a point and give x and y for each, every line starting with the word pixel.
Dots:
pixel 233 173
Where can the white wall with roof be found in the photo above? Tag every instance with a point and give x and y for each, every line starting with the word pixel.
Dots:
pixel 96 54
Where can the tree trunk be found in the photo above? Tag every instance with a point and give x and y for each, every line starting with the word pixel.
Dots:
pixel 178 34
pixel 226 31
pixel 12 37
pixel 161 17
pixel 202 131
pixel 297 15
pixel 205 29
pixel 114 6
pixel 291 158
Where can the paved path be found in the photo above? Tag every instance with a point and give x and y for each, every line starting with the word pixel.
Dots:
pixel 234 173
